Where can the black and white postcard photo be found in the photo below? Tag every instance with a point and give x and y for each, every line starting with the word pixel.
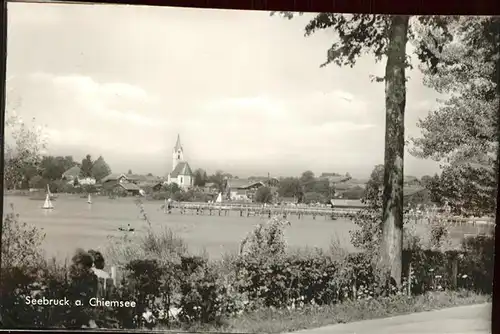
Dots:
pixel 238 171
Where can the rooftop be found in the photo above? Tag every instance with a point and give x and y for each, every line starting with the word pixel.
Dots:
pixel 182 168
pixel 129 186
pixel 242 183
pixel 112 177
pixel 72 172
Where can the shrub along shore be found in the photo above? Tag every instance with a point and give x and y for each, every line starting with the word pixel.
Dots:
pixel 264 288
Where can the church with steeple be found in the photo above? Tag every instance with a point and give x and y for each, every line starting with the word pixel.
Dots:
pixel 181 173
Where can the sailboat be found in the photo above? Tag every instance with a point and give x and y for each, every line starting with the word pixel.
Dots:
pixel 89 199
pixel 219 199
pixel 47 204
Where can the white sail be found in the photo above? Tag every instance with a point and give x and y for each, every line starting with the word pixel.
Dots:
pixel 89 200
pixel 48 203
pixel 219 198
pixel 48 191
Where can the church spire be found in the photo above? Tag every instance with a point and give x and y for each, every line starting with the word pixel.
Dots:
pixel 178 145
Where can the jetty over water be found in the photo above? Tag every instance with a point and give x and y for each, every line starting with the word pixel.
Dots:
pixel 328 213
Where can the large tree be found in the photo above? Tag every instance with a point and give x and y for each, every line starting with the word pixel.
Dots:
pixel 53 167
pixel 200 177
pixel 462 132
pixel 24 146
pixel 218 180
pixel 385 37
pixel 86 167
pixel 307 180
pixel 100 169
pixel 291 187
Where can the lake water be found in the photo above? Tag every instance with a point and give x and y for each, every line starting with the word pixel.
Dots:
pixel 75 224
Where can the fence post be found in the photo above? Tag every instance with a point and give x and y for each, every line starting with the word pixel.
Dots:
pixel 409 277
pixel 454 270
pixel 113 275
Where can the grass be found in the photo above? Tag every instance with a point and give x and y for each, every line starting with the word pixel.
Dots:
pixel 282 321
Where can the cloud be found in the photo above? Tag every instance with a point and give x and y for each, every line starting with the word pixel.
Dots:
pixel 333 106
pixel 259 128
pixel 307 109
pixel 242 88
pixel 79 111
pixel 118 102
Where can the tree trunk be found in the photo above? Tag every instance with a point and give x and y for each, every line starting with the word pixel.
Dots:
pixel 390 262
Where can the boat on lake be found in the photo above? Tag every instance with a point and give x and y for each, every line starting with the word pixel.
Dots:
pixel 126 229
pixel 48 203
pixel 219 199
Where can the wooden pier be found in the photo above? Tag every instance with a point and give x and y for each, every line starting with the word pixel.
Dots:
pixel 327 213
pixel 261 211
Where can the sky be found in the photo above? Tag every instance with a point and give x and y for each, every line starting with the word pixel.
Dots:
pixel 244 91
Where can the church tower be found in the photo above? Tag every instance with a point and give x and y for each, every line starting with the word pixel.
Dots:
pixel 178 153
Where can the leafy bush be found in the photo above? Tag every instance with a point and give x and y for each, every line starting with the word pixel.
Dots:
pixel 202 292
pixel 314 197
pixel 263 195
pixel 69 188
pixel 479 262
pixel 21 243
pixel 37 182
pixel 159 275
pixel 51 281
pixel 143 281
pixel 117 192
pixel 171 188
pixel 89 188
pixel 19 283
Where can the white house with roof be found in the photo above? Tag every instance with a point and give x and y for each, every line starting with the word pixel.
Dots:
pixel 73 174
pixel 181 173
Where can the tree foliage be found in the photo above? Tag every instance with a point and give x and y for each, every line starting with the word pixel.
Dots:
pixel 369 219
pixel 53 167
pixel 100 169
pixel 219 180
pixel 86 166
pixel 290 187
pixel 24 146
pixel 307 181
pixel 384 36
pixel 38 182
pixel 21 243
pixel 462 132
pixel 264 195
pixel 200 178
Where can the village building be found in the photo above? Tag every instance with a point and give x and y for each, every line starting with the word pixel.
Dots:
pixel 244 189
pixel 73 174
pixel 134 184
pixel 120 181
pixel 181 173
pixel 146 181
